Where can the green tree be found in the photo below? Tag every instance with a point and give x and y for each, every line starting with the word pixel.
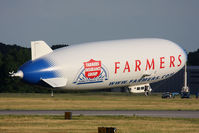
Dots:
pixel 193 58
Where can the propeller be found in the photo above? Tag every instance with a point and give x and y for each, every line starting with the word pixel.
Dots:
pixel 17 74
pixel 11 74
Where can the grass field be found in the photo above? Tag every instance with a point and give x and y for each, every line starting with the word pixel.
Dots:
pixel 90 124
pixel 94 101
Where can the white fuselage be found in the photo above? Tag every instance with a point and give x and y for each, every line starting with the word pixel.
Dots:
pixel 117 63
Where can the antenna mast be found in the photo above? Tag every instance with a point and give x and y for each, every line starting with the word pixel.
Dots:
pixel 185 88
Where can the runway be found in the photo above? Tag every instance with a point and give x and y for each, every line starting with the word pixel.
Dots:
pixel 170 114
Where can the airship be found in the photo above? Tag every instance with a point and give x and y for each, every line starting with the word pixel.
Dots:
pixel 105 64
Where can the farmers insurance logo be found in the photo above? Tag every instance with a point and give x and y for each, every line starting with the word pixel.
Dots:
pixel 91 72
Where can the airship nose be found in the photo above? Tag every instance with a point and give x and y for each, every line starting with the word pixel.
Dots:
pixel 19 74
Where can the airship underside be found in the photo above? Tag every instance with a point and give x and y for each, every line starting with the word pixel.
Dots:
pixel 106 64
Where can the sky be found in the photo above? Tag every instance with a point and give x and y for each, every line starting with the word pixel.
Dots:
pixel 79 21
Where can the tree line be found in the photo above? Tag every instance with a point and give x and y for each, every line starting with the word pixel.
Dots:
pixel 13 56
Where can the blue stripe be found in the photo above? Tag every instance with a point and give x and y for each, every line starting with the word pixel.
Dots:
pixel 34 70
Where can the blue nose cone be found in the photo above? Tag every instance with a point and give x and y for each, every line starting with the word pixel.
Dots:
pixel 34 71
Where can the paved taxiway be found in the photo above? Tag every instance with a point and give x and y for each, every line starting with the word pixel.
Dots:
pixel 172 114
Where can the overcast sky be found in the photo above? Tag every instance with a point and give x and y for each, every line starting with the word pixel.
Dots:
pixel 78 21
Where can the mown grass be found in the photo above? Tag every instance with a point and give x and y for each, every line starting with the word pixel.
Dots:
pixel 93 101
pixel 90 124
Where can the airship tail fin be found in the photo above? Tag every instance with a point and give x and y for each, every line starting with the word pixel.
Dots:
pixel 55 82
pixel 39 48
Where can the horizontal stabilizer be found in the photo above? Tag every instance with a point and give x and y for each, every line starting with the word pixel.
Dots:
pixel 39 48
pixel 56 82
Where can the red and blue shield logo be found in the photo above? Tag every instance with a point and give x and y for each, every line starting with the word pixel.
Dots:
pixel 92 71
